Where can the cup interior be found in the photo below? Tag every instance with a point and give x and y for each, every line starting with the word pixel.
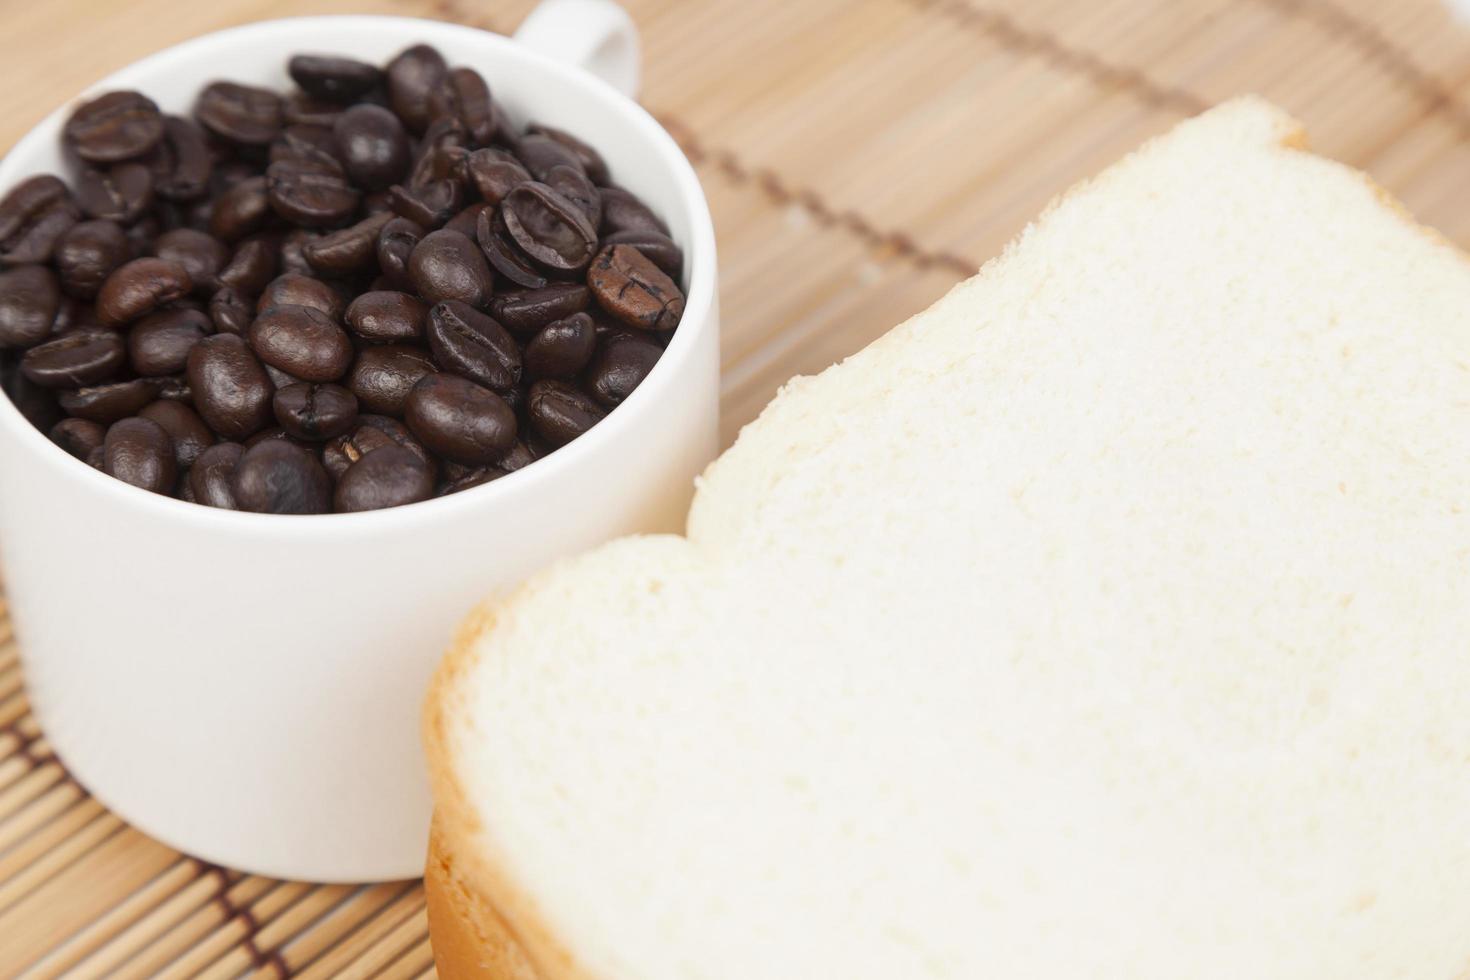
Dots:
pixel 530 87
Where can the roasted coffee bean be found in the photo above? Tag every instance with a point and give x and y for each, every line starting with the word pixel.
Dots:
pixel 503 254
pixel 634 290
pixel 591 161
pixel 623 211
pixel 33 217
pixel 518 458
pixel 468 479
pixel 294 289
pixel 275 477
pixel 30 298
pixel 159 344
pixel 495 173
pixel 75 359
pixel 181 165
pixel 116 126
pixel 461 420
pixel 174 389
pixel 306 196
pixel 441 154
pixel 109 402
pixel 37 405
pixel 313 412
pixel 140 452
pixel 230 310
pixel 396 243
pixel 201 254
pixel 471 344
pixel 301 341
pixel 386 316
pixel 657 247
pixel 376 202
pixel 231 389
pixel 446 265
pixel 560 413
pixel 528 311
pixel 370 433
pixel 280 379
pixel 549 227
pixel 412 78
pixel 332 78
pixel 621 364
pixel 350 251
pixel 73 314
pixel 467 222
pixel 382 377
pixel 241 114
pixel 574 185
pixel 562 349
pixel 242 210
pixel 212 474
pixel 251 267
pixel 431 205
pixel 186 430
pixel 120 193
pixel 463 95
pixel 138 288
pixel 291 256
pixel 389 476
pixel 78 437
pixel 298 108
pixel 311 147
pixel 540 153
pixel 88 253
pixel 372 146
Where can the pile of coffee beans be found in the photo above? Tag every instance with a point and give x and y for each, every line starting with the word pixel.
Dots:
pixel 366 292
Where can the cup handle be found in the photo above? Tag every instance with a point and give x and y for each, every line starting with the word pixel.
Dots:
pixel 597 36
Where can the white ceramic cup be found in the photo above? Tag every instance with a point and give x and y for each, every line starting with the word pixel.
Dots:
pixel 246 687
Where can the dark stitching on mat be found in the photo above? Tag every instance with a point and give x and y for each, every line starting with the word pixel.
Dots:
pixel 259 959
pixel 1021 40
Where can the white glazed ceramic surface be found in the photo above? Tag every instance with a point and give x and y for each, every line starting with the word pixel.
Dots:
pixel 247 687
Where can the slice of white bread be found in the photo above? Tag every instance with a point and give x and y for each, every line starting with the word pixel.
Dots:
pixel 1110 619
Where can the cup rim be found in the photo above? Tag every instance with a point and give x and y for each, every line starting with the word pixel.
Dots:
pixel 699 299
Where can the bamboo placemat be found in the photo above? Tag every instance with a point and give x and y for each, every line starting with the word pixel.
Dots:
pixel 860 158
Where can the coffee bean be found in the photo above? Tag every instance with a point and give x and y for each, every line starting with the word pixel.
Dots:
pixel 314 412
pixel 231 389
pixel 372 146
pixel 138 288
pixel 213 472
pixel 140 452
pixel 430 205
pixel 119 193
pixel 471 344
pixel 332 78
pixel 623 211
pixel 503 254
pixel 386 316
pixel 562 349
pixel 306 196
pixel 29 300
pixel 461 420
pixel 312 147
pixel 186 430
pixel 591 161
pixel 109 402
pixel 658 248
pixel 294 289
pixel 350 251
pixel 75 359
pixel 441 154
pixel 548 227
pixel 370 433
pixel 37 405
pixel 560 413
pixel 463 95
pixel 495 173
pixel 181 165
pixel 116 126
pixel 621 364
pixel 540 153
pixel 412 78
pixel 88 253
pixel 573 185
pixel 470 478
pixel 241 114
pixel 298 108
pixel 201 255
pixel 447 265
pixel 231 311
pixel 291 257
pixel 396 243
pixel 467 222
pixel 78 437
pixel 275 477
pixel 382 377
pixel 242 210
pixel 251 267
pixel 33 217
pixel 389 476
pixel 634 290
pixel 159 344
pixel 301 341
pixel 526 312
